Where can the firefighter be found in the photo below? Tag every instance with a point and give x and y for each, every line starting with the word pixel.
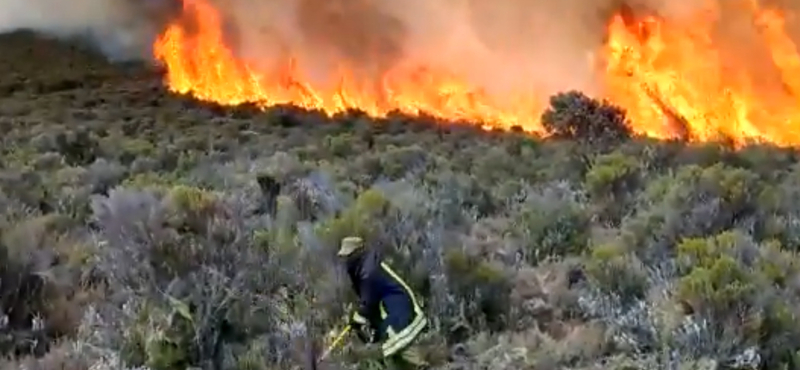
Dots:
pixel 389 317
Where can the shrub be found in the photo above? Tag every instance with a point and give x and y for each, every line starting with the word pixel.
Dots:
pixel 78 147
pixel 561 161
pixel 778 215
pixel 482 289
pixel 737 286
pixel 770 162
pixel 188 208
pixel 496 166
pixel 40 300
pixel 612 182
pixel 61 357
pixel 551 222
pixel 692 202
pixel 131 149
pixel 342 145
pixel 717 288
pixel 187 295
pixel 575 116
pixel 399 162
pixel 617 272
pixel 359 219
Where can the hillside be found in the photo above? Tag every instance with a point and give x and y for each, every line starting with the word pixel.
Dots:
pixel 134 229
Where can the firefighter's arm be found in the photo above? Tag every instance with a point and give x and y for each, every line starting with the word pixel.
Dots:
pixel 369 300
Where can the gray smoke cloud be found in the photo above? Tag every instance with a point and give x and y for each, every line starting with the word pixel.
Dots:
pixel 122 29
pixel 499 45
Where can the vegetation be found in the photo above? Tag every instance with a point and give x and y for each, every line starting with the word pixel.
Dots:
pixel 143 230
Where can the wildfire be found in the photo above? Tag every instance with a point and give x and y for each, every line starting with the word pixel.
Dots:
pixel 672 77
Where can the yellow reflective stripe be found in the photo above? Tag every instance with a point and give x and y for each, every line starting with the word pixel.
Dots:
pixel 417 307
pixel 402 339
pixel 383 311
pixel 397 342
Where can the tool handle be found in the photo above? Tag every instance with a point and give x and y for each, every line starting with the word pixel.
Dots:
pixel 336 342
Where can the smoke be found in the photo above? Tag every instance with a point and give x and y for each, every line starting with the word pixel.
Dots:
pixel 121 29
pixel 503 46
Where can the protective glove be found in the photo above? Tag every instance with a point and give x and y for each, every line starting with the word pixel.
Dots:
pixel 357 320
pixel 361 327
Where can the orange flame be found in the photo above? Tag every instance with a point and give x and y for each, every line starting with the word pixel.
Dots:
pixel 670 76
pixel 676 76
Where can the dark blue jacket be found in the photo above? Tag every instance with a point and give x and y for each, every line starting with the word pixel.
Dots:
pixel 386 302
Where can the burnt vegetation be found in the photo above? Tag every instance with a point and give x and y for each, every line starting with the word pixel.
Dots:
pixel 144 230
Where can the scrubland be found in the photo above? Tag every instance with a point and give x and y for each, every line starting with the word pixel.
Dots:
pixel 144 230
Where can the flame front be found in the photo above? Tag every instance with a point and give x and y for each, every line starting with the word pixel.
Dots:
pixel 670 76
pixel 675 81
pixel 200 64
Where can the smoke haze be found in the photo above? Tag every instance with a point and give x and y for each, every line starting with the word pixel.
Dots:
pixel 122 29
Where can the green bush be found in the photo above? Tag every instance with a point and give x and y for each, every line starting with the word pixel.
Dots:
pixel 190 208
pixel 717 288
pixel 612 175
pixel 482 286
pixel 692 202
pixel 612 183
pixel 617 272
pixel 739 286
pixel 715 282
pixel 552 228
pixel 360 219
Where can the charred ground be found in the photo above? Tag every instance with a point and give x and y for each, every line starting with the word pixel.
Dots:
pixel 136 227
